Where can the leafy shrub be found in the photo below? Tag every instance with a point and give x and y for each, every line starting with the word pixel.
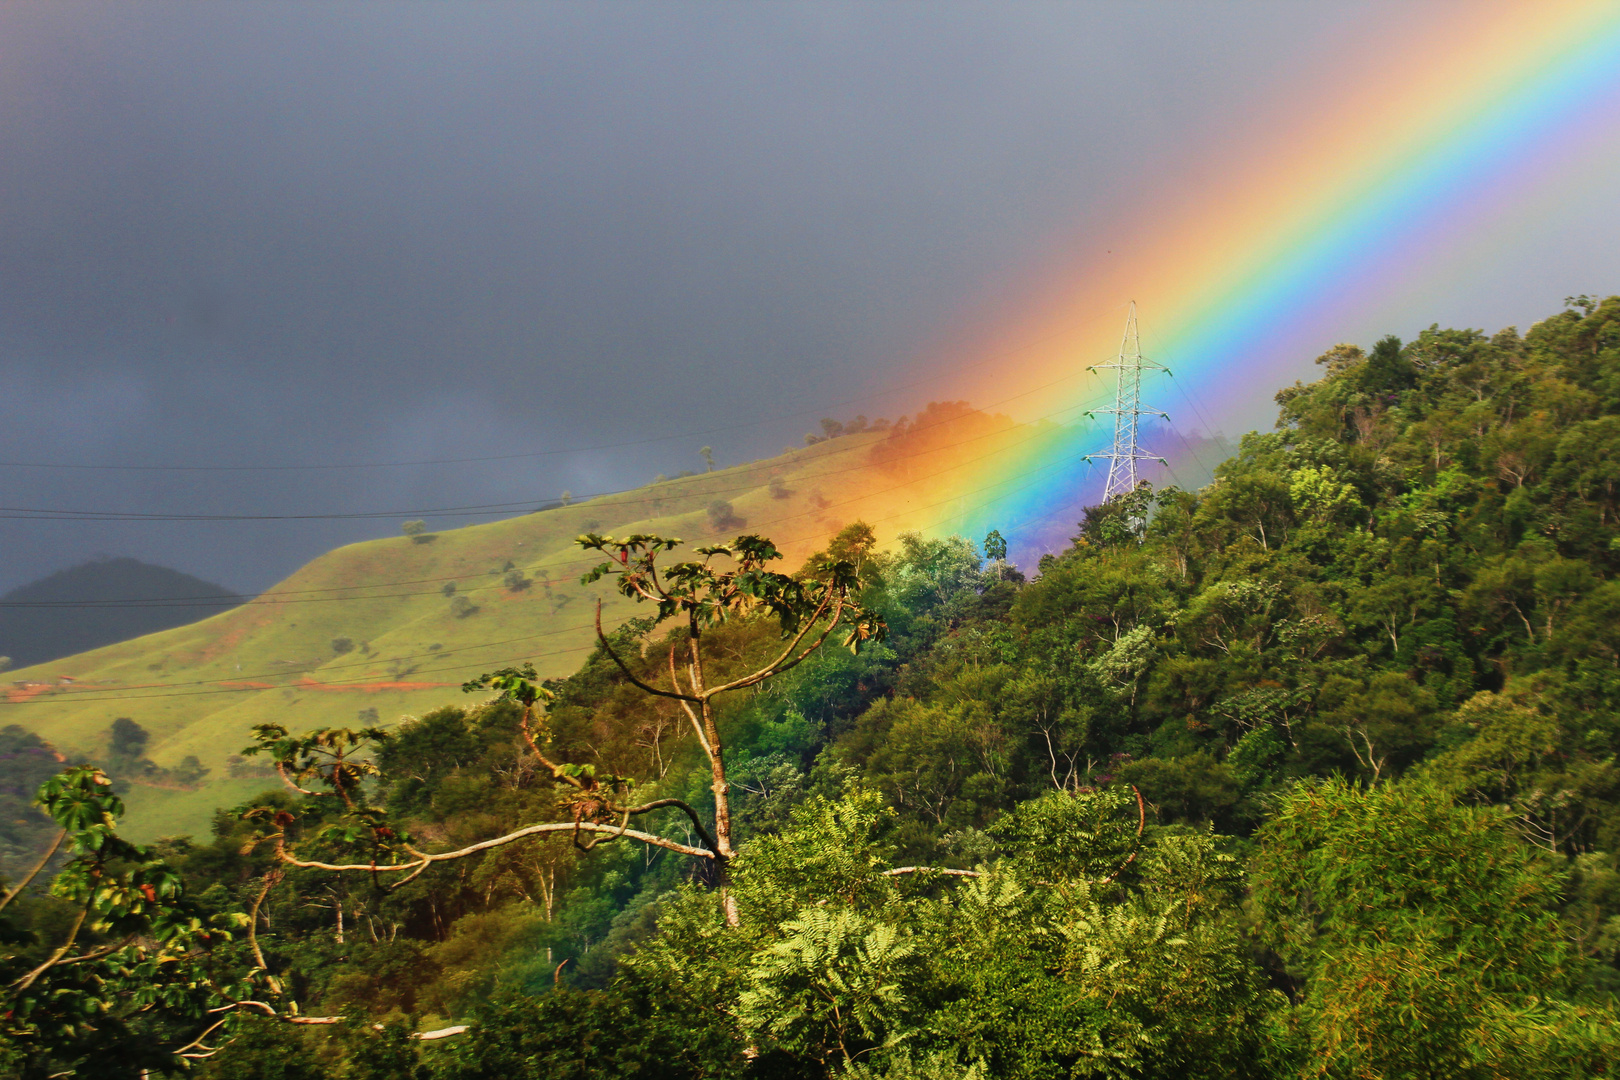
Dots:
pixel 190 771
pixel 126 738
pixel 723 517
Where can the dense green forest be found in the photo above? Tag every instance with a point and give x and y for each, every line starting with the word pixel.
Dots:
pixel 1310 773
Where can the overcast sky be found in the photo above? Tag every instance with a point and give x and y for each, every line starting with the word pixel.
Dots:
pixel 281 234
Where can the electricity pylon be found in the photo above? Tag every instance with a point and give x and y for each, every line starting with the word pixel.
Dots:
pixel 1126 451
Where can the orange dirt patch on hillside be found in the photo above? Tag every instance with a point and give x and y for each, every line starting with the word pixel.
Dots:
pixel 311 684
pixel 246 622
pixel 33 690
pixel 25 693
pixel 945 435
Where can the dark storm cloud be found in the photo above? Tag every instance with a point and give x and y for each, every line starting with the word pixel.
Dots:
pixel 275 233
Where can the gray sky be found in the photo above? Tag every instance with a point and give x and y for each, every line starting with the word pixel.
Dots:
pixel 283 234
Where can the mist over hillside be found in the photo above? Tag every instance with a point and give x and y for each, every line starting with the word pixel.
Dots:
pixel 98 603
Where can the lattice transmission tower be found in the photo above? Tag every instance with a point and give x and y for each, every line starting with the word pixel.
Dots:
pixel 1126 451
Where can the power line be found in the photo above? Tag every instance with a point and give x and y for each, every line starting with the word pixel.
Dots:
pixel 530 567
pixel 95 693
pixel 243 599
pixel 236 599
pixel 321 686
pixel 19 513
pixel 1209 428
pixel 109 693
pixel 112 691
pixel 276 597
pixel 997 358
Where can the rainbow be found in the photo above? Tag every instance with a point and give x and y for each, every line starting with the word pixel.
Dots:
pixel 1415 153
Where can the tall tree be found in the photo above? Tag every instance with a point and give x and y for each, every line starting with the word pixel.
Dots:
pixel 701 596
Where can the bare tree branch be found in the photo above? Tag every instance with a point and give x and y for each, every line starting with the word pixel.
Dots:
pixel 528 737
pixel 198 1042
pixel 600 839
pixel 697 823
pixel 270 880
pixel 55 958
pixel 686 705
pixel 776 667
pixel 106 950
pixel 281 770
pixel 1141 824
pixel 32 874
pixel 440 1033
pixel 897 871
pixel 603 641
pixel 500 841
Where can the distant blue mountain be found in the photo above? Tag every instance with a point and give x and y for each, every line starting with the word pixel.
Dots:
pixel 99 603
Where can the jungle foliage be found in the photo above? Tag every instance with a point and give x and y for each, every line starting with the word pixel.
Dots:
pixel 1313 775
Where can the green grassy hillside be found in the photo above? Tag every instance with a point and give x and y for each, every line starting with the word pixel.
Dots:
pixel 391 627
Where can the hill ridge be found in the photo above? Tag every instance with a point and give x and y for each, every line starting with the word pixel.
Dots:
pixel 350 637
pixel 43 620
